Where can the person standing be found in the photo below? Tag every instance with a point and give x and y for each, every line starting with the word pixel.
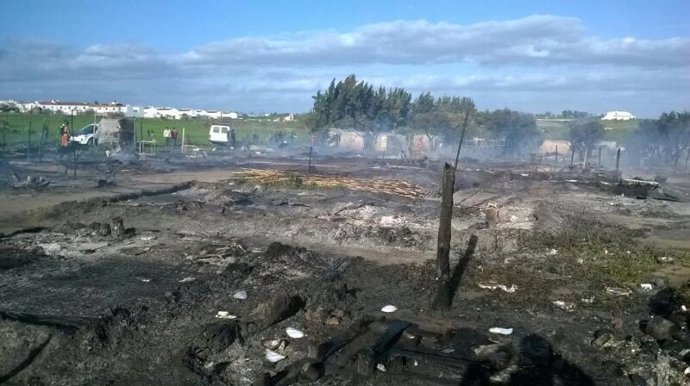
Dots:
pixel 166 136
pixel 173 135
pixel 64 135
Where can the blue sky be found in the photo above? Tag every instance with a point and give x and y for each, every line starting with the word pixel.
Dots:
pixel 267 56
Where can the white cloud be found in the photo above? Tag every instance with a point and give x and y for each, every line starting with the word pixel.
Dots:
pixel 547 58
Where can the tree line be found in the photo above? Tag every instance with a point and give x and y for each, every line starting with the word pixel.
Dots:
pixel 358 105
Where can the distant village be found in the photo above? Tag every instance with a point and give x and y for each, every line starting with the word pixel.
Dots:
pixel 68 108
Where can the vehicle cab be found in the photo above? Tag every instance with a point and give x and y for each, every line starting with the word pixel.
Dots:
pixel 219 134
pixel 86 135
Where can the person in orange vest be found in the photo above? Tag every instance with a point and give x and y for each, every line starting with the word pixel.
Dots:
pixel 64 134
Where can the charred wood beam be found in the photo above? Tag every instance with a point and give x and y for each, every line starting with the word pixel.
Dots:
pixel 68 324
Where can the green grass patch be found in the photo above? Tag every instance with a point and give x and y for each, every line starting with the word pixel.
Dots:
pixel 23 127
pixel 605 253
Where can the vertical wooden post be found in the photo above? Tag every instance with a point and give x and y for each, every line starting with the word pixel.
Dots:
pixel 599 159
pixel 462 138
pixel 309 165
pixel 687 158
pixel 28 148
pixel 572 157
pixel 443 248
pixel 556 154
pixel 618 159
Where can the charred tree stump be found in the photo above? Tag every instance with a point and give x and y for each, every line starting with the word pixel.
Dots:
pixel 448 286
pixel 443 248
pixel 118 227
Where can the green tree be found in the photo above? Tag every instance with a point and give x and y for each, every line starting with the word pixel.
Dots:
pixel 664 140
pixel 518 130
pixel 585 134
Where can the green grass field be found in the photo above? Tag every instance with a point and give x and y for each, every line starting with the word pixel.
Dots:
pixel 21 126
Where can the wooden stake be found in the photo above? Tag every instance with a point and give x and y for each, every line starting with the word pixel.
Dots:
pixel 572 157
pixel 599 159
pixel 618 159
pixel 309 165
pixel 443 248
pixel 462 137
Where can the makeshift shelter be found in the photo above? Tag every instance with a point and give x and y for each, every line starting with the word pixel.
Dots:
pixel 115 132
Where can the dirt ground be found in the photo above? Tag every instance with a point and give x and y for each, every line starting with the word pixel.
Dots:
pixel 188 271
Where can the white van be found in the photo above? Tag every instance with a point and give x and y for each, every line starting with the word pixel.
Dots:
pixel 219 134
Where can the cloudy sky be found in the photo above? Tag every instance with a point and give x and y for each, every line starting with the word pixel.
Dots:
pixel 272 56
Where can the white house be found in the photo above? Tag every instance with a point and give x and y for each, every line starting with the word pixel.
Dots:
pixel 169 112
pixel 214 114
pixel 618 116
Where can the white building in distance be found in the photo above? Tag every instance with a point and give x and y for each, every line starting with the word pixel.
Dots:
pixel 68 108
pixel 618 116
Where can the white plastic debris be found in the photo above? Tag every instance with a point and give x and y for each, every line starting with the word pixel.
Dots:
pixel 513 218
pixel 187 279
pixel 294 333
pixel 242 295
pixel 502 287
pixel 618 291
pixel 646 286
pixel 381 367
pixel 524 174
pixel 686 372
pixel 147 238
pixel 664 259
pixel 589 300
pixel 273 356
pixel 448 350
pixel 144 279
pixel 273 344
pixel 389 308
pixel 571 181
pixel 501 330
pixel 225 315
pixel 580 260
pixel 553 252
pixel 565 306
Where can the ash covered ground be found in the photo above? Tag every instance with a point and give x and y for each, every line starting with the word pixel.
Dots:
pixel 190 271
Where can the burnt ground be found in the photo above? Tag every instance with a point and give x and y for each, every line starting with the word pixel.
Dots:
pixel 592 283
